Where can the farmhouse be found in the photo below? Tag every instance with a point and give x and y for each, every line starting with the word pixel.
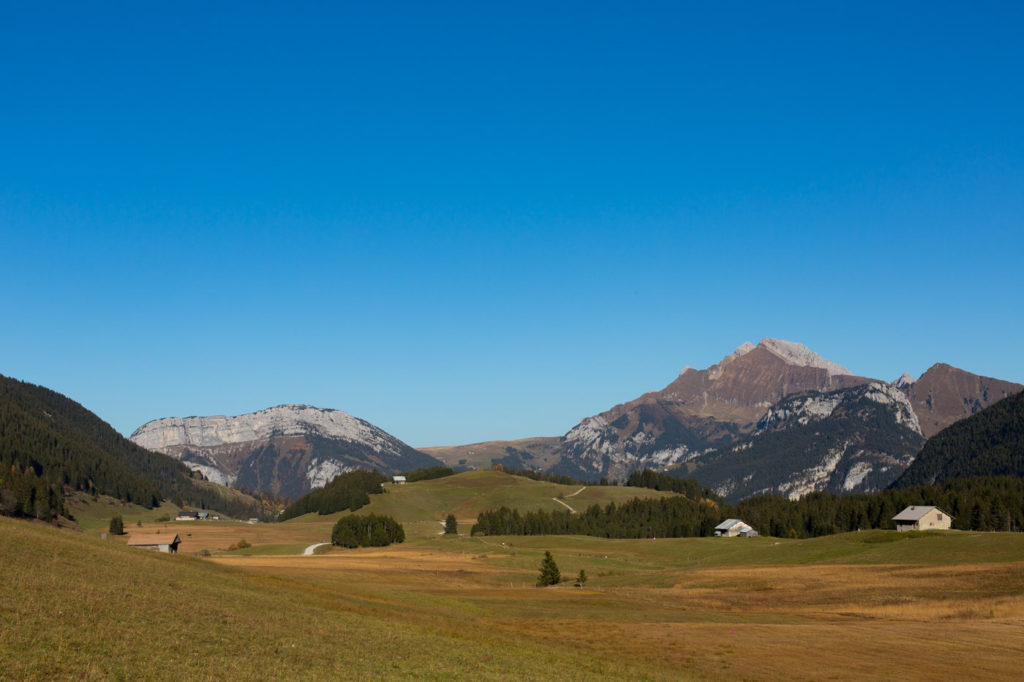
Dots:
pixel 165 543
pixel 187 516
pixel 922 518
pixel 734 528
pixel 398 479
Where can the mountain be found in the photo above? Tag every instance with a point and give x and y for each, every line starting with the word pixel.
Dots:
pixel 945 394
pixel 284 450
pixel 857 439
pixel 700 411
pixel 50 444
pixel 988 443
pixel 776 417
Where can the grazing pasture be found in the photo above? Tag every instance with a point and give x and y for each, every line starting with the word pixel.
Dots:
pixel 869 605
pixel 856 606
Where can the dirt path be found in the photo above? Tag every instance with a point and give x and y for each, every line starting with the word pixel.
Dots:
pixel 564 504
pixel 577 492
pixel 312 548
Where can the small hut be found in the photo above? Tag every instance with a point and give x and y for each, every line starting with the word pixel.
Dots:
pixel 157 542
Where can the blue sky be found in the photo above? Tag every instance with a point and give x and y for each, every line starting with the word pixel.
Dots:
pixel 475 221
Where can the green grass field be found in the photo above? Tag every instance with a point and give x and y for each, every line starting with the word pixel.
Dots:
pixel 95 514
pixel 421 507
pixel 870 605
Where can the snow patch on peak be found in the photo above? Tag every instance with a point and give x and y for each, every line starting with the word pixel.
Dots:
pixel 797 354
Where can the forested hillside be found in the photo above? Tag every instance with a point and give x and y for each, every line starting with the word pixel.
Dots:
pixel 49 443
pixel 989 443
pixel 348 491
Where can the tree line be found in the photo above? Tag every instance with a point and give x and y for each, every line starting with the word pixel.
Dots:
pixel 975 503
pixel 349 491
pixel 428 474
pixel 638 518
pixel 561 479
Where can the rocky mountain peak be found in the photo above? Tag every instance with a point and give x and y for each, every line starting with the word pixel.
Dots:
pixel 905 381
pixel 286 449
pixel 715 371
pixel 799 355
pixel 281 420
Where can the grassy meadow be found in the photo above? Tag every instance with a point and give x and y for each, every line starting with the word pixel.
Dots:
pixel 422 507
pixel 870 605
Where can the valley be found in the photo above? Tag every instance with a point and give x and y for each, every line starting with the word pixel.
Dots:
pixel 874 604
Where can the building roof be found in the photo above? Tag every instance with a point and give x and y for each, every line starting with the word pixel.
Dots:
pixel 147 539
pixel 727 524
pixel 915 513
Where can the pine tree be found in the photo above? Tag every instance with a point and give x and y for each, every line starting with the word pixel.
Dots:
pixel 117 525
pixel 581 579
pixel 549 574
pixel 451 526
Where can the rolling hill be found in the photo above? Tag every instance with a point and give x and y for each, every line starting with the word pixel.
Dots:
pixel 422 507
pixel 539 453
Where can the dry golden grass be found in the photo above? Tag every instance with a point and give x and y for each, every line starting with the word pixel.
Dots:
pixel 861 606
pixel 843 622
pixel 218 536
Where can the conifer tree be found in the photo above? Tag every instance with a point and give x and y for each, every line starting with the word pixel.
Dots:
pixel 117 525
pixel 549 574
pixel 451 526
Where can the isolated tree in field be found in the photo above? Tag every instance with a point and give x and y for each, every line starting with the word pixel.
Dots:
pixel 117 525
pixel 581 579
pixel 549 574
pixel 451 526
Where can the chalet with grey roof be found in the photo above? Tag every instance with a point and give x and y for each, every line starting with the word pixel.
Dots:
pixel 734 528
pixel 922 518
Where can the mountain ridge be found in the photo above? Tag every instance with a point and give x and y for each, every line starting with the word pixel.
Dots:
pixel 286 449
pixel 703 418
